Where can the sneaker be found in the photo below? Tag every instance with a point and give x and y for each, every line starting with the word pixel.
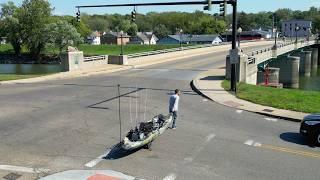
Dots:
pixel 174 128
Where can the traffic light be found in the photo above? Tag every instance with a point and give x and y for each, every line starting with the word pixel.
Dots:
pixel 78 16
pixel 223 9
pixel 133 16
pixel 209 6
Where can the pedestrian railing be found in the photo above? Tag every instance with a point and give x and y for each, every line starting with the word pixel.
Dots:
pixel 95 58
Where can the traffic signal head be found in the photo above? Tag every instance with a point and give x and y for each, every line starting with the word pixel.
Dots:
pixel 223 9
pixel 78 16
pixel 133 16
pixel 208 7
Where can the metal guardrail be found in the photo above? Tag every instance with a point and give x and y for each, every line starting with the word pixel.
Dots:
pixel 95 58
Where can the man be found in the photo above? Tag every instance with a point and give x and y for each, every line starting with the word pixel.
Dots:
pixel 173 106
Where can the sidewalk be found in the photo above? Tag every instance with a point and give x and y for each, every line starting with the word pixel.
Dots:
pixel 209 85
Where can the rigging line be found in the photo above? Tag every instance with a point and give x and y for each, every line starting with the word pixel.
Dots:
pixel 130 110
pixel 137 105
pixel 139 115
pixel 145 106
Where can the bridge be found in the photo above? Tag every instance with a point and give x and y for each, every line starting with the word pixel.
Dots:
pixel 301 56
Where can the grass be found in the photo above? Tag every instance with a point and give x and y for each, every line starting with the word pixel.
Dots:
pixel 91 50
pixel 290 99
pixel 8 77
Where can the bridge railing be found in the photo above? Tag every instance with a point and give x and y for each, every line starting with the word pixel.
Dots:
pixel 150 53
pixel 95 58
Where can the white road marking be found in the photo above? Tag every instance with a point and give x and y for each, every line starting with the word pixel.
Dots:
pixel 252 143
pixel 97 160
pixel 249 142
pixel 23 169
pixel 239 111
pixel 199 148
pixel 257 144
pixel 170 177
pixel 271 119
pixel 204 100
pixel 209 137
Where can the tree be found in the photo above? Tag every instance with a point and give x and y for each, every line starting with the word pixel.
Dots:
pixel 123 26
pixel 11 28
pixel 63 34
pixel 132 31
pixel 33 17
pixel 161 31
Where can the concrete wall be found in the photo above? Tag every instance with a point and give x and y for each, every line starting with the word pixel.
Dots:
pixel 72 61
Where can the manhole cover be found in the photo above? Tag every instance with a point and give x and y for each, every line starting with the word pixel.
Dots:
pixel 267 110
pixel 12 176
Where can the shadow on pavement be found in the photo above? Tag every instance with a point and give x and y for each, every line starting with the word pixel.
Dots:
pixel 297 138
pixel 117 153
pixel 213 78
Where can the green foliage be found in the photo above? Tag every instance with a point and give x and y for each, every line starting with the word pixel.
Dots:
pixel 132 31
pixel 34 15
pixel 161 31
pixel 291 99
pixel 10 26
pixel 63 34
pixel 8 77
pixel 91 50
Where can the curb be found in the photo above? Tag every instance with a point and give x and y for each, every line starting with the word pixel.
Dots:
pixel 194 85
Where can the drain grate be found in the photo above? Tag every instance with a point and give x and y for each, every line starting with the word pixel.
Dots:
pixel 12 176
pixel 267 110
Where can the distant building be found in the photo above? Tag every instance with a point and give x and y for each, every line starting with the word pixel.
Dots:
pixel 288 28
pixel 94 38
pixel 144 38
pixel 249 35
pixel 191 39
pixel 115 38
pixel 3 40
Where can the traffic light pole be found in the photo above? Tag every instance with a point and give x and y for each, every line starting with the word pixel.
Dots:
pixel 234 47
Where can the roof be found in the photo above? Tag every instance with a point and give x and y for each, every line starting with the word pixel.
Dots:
pixel 249 33
pixel 296 20
pixel 118 34
pixel 195 38
pixel 142 36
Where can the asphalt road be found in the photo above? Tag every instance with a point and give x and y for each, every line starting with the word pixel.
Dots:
pixel 68 124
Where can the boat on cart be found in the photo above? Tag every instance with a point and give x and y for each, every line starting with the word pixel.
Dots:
pixel 143 135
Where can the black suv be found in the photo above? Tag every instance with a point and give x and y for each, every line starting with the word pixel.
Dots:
pixel 310 127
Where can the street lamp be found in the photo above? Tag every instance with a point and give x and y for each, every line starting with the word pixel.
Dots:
pixel 121 36
pixel 239 38
pixel 297 28
pixel 180 32
pixel 275 31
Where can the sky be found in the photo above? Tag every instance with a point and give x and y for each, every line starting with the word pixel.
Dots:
pixel 67 7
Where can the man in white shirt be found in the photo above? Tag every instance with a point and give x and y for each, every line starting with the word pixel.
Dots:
pixel 173 106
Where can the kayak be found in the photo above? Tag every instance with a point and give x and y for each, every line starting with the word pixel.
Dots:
pixel 146 133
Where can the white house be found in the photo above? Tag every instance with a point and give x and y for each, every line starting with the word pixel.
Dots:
pixel 3 40
pixel 94 38
pixel 144 38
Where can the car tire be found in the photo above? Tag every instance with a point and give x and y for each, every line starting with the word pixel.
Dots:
pixel 317 140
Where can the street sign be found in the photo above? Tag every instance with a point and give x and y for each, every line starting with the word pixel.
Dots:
pixel 234 56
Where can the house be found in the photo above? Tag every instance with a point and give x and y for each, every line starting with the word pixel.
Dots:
pixel 144 38
pixel 288 28
pixel 94 38
pixel 115 38
pixel 3 40
pixel 191 39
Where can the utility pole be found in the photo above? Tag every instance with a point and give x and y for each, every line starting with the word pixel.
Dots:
pixel 234 53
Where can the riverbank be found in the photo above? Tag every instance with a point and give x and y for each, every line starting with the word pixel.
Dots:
pixel 9 77
pixel 289 99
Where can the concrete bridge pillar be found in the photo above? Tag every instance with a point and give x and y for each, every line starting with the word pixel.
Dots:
pixel 273 76
pixel 305 63
pixel 289 71
pixel 314 58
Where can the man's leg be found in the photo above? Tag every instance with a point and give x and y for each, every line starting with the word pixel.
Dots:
pixel 174 113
